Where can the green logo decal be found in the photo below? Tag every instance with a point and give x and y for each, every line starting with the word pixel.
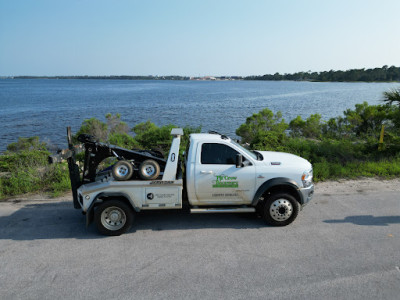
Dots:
pixel 223 181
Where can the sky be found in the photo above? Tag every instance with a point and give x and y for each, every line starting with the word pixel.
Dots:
pixel 195 38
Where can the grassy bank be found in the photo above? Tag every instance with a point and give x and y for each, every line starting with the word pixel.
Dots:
pixel 24 169
pixel 385 169
pixel 347 146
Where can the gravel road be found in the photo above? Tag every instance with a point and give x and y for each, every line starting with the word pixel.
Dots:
pixel 344 245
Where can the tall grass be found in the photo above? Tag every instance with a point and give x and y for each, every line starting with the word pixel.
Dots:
pixel 28 171
pixel 383 168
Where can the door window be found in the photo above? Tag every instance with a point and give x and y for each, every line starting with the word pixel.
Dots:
pixel 218 154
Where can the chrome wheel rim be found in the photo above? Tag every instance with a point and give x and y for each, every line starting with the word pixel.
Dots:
pixel 113 218
pixel 281 210
pixel 149 170
pixel 122 171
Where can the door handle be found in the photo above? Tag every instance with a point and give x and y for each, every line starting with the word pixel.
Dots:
pixel 206 172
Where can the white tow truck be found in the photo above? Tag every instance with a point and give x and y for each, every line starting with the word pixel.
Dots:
pixel 219 176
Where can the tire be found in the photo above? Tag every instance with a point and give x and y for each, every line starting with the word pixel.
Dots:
pixel 113 217
pixel 280 209
pixel 149 170
pixel 122 170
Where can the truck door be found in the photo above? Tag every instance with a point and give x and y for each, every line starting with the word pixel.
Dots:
pixel 217 180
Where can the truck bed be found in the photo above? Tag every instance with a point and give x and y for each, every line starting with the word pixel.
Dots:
pixel 143 195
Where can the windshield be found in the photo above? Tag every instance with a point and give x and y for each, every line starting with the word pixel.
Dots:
pixel 251 154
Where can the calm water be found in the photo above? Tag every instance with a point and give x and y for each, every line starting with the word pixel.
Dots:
pixel 46 107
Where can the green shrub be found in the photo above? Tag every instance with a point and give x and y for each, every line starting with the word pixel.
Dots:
pixel 392 97
pixel 102 131
pixel 115 125
pixel 123 140
pixel 28 171
pixel 13 161
pixel 311 128
pixel 150 136
pixel 26 144
pixel 93 127
pixel 261 126
pixel 22 181
pixel 346 146
pixel 57 179
pixel 381 168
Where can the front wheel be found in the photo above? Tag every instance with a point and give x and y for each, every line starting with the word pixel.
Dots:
pixel 113 217
pixel 280 209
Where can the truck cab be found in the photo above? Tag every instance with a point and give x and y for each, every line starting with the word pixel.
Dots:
pixel 219 171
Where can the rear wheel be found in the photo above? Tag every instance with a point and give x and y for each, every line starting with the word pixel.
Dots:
pixel 149 169
pixel 113 217
pixel 280 209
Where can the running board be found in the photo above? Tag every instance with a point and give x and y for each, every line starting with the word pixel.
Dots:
pixel 222 210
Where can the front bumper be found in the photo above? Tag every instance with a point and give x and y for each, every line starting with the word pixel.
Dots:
pixel 306 194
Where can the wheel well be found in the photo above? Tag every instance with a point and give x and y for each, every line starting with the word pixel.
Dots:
pixel 283 189
pixel 121 198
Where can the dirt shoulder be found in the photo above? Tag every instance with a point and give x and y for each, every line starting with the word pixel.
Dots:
pixel 39 197
pixel 363 185
pixel 332 187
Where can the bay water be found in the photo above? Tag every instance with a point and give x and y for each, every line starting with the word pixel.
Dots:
pixel 45 107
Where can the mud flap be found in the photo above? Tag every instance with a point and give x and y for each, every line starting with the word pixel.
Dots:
pixel 75 182
pixel 73 170
pixel 90 214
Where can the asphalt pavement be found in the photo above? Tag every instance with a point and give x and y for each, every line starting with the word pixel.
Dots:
pixel 342 246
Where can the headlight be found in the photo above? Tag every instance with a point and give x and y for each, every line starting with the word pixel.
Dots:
pixel 306 178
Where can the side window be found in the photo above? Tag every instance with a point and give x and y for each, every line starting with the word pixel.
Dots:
pixel 218 154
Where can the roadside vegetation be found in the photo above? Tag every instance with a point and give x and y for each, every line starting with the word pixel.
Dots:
pixel 24 168
pixel 342 147
pixel 348 146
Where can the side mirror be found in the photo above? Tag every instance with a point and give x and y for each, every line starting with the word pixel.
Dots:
pixel 239 160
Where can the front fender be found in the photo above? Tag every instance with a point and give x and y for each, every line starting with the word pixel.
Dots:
pixel 279 181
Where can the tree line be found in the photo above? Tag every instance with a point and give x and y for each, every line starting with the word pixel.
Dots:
pixel 383 74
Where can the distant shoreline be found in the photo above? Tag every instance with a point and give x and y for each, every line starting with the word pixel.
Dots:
pixel 127 77
pixel 383 74
pixel 178 78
